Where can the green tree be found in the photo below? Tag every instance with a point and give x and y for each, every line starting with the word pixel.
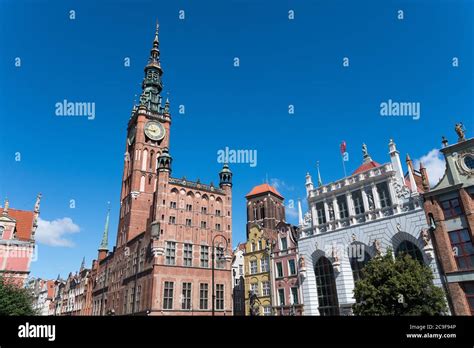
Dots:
pixel 397 286
pixel 14 300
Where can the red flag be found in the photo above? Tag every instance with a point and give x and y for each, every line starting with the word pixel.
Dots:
pixel 343 147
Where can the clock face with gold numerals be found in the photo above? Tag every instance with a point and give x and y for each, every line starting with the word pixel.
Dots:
pixel 154 130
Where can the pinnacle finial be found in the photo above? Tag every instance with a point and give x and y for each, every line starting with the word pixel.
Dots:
pixel 156 32
pixel 5 208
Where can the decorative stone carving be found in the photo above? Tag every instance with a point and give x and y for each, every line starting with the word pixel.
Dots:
pixel 401 190
pixel 377 247
pixel 460 130
pixel 307 220
pixel 428 246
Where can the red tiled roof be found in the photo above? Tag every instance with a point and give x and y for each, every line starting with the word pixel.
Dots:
pixel 24 222
pixel 366 166
pixel 263 188
pixel 241 246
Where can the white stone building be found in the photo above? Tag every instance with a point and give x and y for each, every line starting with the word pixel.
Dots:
pixel 238 286
pixel 352 220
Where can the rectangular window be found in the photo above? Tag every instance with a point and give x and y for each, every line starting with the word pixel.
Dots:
pixel 342 205
pixel 321 213
pixel 260 245
pixel 188 222
pixel 358 202
pixel 267 310
pixel 254 288
pixel 132 298
pixel 137 301
pixel 219 297
pixel 279 270
pixel 188 255
pixel 203 224
pixel 451 208
pixel 384 196
pixel 168 295
pixel 220 260
pixel 203 210
pixel 331 212
pixel 284 243
pixel 281 297
pixel 292 267
pixel 463 249
pixel 264 264
pixel 170 253
pixel 125 298
pixel 173 205
pixel 172 220
pixel 266 288
pixel 253 247
pixel 186 299
pixel 294 295
pixel 468 288
pixel 204 256
pixel 189 207
pixel 218 212
pixel 241 269
pixel 203 296
pixel 218 227
pixel 253 266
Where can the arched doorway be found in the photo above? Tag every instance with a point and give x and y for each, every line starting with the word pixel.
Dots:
pixel 358 257
pixel 326 287
pixel 407 247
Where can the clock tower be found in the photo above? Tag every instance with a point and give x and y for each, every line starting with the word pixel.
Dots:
pixel 174 240
pixel 148 134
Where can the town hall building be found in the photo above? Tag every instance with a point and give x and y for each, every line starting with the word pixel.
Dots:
pixel 174 238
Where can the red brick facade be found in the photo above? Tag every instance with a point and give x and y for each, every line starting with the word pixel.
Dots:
pixel 449 209
pixel 162 261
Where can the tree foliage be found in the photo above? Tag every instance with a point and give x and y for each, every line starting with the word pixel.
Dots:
pixel 14 300
pixel 397 286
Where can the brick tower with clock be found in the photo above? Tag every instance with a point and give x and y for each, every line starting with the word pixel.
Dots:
pixel 148 135
pixel 170 230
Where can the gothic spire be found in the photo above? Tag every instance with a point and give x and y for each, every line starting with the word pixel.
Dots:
pixel 83 264
pixel 154 59
pixel 152 84
pixel 104 245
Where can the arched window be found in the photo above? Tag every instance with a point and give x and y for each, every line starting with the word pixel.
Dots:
pixel 151 159
pixel 142 184
pixel 358 261
pixel 407 247
pixel 326 286
pixel 262 212
pixel 144 159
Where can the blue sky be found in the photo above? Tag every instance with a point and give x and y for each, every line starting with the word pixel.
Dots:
pixel 282 62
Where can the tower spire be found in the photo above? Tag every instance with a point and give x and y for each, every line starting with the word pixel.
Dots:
pixel 104 245
pixel 152 84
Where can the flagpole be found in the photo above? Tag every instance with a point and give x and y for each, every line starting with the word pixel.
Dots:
pixel 343 148
pixel 343 166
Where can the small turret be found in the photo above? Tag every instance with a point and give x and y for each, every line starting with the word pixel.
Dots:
pixel 164 161
pixel 225 176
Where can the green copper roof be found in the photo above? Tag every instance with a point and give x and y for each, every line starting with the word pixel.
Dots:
pixel 104 245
